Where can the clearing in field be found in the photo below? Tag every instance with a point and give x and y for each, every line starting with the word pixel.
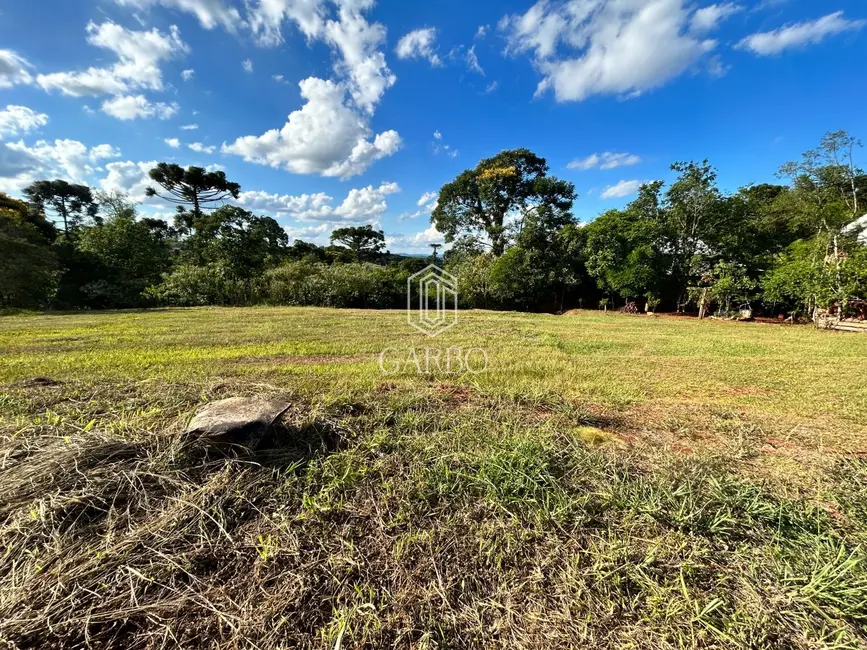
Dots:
pixel 607 482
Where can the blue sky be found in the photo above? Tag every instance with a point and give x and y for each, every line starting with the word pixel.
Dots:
pixel 336 112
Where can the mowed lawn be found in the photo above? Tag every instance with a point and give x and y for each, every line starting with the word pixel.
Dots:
pixel 608 481
pixel 611 359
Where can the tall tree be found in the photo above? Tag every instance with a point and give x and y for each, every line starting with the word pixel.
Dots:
pixel 29 270
pixel 70 203
pixel 193 186
pixel 241 243
pixel 130 254
pixel 693 211
pixel 363 241
pixel 510 185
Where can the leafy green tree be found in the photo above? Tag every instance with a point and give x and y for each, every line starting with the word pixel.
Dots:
pixel 132 256
pixel 70 203
pixel 694 213
pixel 625 248
pixel 191 187
pixel 363 241
pixel 29 270
pixel 513 184
pixel 243 244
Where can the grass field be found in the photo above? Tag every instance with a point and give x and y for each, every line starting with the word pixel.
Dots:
pixel 609 481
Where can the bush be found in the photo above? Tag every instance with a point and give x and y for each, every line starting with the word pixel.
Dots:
pixel 340 285
pixel 190 286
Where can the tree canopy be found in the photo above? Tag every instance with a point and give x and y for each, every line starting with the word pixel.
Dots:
pixel 509 186
pixel 793 247
pixel 193 186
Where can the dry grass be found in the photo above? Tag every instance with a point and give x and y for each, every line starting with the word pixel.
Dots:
pixel 545 504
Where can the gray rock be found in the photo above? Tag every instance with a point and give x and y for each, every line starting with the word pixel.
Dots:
pixel 236 420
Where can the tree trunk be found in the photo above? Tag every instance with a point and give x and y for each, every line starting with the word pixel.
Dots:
pixel 702 307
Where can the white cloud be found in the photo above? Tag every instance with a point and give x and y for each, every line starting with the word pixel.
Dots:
pixel 174 143
pixel 414 243
pixel 482 31
pixel 18 120
pixel 139 56
pixel 130 178
pixel 360 64
pixel 198 147
pixel 71 160
pixel 189 127
pixel 707 19
pixel 621 189
pixel 491 87
pixel 473 61
pixel 360 205
pixel 131 107
pixel 285 204
pixel 318 234
pixel 210 13
pixel 799 34
pixel 419 44
pixel 324 137
pixel 428 199
pixel 14 69
pixel 188 74
pixel 247 65
pixel 439 147
pixel 267 17
pixel 620 48
pixel 279 78
pixel 427 204
pixel 605 160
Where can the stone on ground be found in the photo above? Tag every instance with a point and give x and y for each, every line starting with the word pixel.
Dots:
pixel 236 420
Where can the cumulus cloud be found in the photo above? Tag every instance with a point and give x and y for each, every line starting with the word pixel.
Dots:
pixel 267 17
pixel 198 147
pixel 21 164
pixel 188 74
pixel 324 137
pixel 353 39
pixel 415 242
pixel 189 127
pixel 15 164
pixel 174 143
pixel 210 13
pixel 130 178
pixel 799 35
pixel 427 204
pixel 597 47
pixel 139 55
pixel 605 160
pixel 247 65
pixel 419 44
pixel 361 205
pixel 621 189
pixel 131 107
pixel 18 120
pixel 14 69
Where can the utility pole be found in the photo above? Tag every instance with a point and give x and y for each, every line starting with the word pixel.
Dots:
pixel 435 247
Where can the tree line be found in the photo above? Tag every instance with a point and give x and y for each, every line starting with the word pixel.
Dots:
pixel 791 248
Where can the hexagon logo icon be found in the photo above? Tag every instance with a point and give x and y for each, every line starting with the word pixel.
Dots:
pixel 437 306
